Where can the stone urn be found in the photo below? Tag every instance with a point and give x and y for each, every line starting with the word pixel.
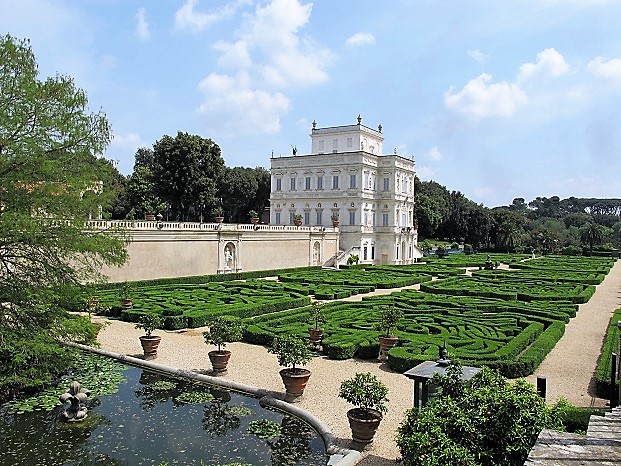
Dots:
pixel 386 344
pixel 363 424
pixel 219 361
pixel 295 381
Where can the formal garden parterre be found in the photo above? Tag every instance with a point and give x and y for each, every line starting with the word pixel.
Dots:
pixel 504 319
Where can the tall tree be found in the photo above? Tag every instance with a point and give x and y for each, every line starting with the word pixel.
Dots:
pixel 186 171
pixel 591 234
pixel 50 183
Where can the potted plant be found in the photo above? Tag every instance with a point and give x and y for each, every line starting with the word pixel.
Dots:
pixel 297 220
pixel 316 316
pixel 254 217
pixel 218 214
pixel 149 322
pixel 292 351
pixel 389 318
pixel 124 293
pixel 335 219
pixel 222 331
pixel 368 395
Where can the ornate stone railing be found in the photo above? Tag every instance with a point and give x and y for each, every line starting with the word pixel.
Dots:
pixel 196 226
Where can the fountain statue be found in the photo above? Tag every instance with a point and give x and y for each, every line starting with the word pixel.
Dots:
pixel 76 395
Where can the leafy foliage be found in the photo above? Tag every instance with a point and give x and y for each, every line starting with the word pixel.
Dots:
pixel 223 330
pixel 365 391
pixel 291 350
pixel 488 421
pixel 51 182
pixel 264 428
pixel 389 318
pixel 148 323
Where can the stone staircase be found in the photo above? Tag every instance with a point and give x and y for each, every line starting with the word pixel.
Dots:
pixel 600 446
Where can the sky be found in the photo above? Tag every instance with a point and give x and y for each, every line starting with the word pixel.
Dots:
pixel 495 99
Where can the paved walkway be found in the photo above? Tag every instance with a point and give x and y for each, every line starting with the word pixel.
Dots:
pixel 570 367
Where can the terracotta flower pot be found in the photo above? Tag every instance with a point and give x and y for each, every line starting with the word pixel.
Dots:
pixel 219 361
pixel 295 381
pixel 219 219
pixel 315 337
pixel 363 424
pixel 254 220
pixel 126 303
pixel 386 343
pixel 149 217
pixel 150 345
pixel 297 223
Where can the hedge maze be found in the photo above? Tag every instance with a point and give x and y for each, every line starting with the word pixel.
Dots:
pixel 509 322
pixel 506 319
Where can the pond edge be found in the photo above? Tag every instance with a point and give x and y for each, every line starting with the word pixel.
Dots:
pixel 339 456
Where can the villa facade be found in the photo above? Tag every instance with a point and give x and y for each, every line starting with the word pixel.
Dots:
pixel 346 178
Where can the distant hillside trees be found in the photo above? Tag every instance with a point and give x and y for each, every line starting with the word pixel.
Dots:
pixel 548 225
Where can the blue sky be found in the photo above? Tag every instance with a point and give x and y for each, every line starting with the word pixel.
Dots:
pixel 496 99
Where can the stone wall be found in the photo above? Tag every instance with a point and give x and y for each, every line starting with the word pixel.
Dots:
pixel 173 249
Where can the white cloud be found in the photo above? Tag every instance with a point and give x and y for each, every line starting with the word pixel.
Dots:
pixel 425 173
pixel 142 26
pixel 233 56
pixel 127 141
pixel 232 104
pixel 360 39
pixel 270 55
pixel 434 154
pixel 108 61
pixel 188 18
pixel 601 67
pixel 478 56
pixel 549 63
pixel 480 99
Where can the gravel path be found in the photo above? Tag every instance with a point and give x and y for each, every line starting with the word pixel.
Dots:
pixel 569 368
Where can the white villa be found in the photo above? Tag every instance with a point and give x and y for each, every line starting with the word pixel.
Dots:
pixel 346 177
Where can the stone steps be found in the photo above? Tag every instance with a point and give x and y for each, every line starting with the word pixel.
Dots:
pixel 600 446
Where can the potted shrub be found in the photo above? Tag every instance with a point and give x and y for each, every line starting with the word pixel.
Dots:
pixel 254 217
pixel 297 220
pixel 218 214
pixel 124 293
pixel 316 316
pixel 368 395
pixel 149 322
pixel 389 318
pixel 292 351
pixel 335 219
pixel 222 331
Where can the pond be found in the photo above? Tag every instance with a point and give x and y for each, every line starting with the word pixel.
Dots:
pixel 155 420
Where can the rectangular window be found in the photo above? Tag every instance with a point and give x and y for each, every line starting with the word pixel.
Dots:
pixel 350 142
pixel 364 253
pixel 352 217
pixel 291 217
pixel 292 184
pixel 319 219
pixel 404 220
pixel 306 218
pixel 278 184
pixel 386 184
pixel 366 218
pixel 373 252
pixel 335 182
pixel 373 219
pixel 385 220
pixel 335 143
pixel 307 184
pixel 277 218
pixel 352 181
pixel 320 182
